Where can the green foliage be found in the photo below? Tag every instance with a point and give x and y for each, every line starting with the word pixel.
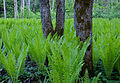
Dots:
pixel 9 8
pixel 64 54
pixel 108 11
pixel 69 8
pixel 37 51
pixel 106 43
pixel 94 79
pixel 30 14
pixel 86 78
pixel 117 65
pixel 65 58
pixel 14 52
pixel 12 65
pixel 0 51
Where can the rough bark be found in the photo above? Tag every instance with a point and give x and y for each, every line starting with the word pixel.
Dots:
pixel 83 26
pixel 47 26
pixel 60 17
pixel 15 8
pixel 4 9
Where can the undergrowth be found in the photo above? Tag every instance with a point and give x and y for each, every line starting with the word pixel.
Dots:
pixel 65 55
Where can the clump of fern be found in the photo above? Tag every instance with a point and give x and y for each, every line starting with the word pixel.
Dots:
pixel 65 56
pixel 117 65
pixel 12 64
pixel 86 79
pixel 14 52
pixel 37 51
pixel 106 43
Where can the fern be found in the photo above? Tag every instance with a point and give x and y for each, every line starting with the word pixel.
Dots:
pixel 37 51
pixel 13 65
pixel 117 65
pixel 106 43
pixel 65 59
pixel 0 52
pixel 93 80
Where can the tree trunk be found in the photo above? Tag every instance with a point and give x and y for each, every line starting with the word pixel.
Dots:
pixel 4 9
pixel 15 8
pixel 60 17
pixel 29 5
pixel 83 26
pixel 33 5
pixel 47 26
pixel 22 8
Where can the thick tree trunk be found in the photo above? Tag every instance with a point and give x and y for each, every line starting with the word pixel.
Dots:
pixel 47 26
pixel 15 8
pixel 60 17
pixel 33 5
pixel 83 26
pixel 4 9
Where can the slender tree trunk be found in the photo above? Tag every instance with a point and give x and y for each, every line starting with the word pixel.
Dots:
pixel 47 26
pixel 15 8
pixel 29 5
pixel 60 17
pixel 83 26
pixel 33 5
pixel 4 9
pixel 22 8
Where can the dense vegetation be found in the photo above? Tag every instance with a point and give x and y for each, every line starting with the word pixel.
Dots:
pixel 60 41
pixel 110 10
pixel 24 37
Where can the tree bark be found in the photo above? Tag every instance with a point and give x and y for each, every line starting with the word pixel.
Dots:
pixel 4 9
pixel 83 26
pixel 47 26
pixel 60 17
pixel 15 8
